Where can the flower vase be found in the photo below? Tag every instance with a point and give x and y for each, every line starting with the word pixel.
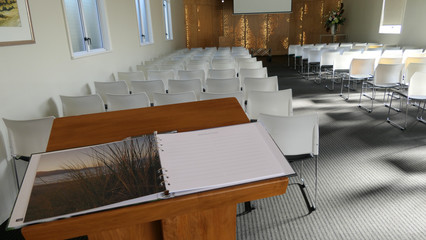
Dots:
pixel 333 29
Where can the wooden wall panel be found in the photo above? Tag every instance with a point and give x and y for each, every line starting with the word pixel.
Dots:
pixel 212 23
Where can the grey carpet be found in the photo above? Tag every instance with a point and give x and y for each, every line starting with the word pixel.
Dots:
pixel 372 176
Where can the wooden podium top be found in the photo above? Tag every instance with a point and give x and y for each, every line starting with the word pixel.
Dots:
pixel 84 130
pixel 91 129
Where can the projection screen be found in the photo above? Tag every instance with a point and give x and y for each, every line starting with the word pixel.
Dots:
pixel 261 6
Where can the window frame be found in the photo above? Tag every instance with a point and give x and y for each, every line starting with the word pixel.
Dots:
pixel 391 29
pixel 167 17
pixel 144 19
pixel 103 26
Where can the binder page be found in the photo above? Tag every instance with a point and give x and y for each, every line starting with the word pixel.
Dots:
pixel 220 157
pixel 78 181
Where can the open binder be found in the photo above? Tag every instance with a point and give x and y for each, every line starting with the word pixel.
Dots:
pixel 143 169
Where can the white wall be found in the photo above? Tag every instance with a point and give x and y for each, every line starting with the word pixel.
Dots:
pixel 363 20
pixel 33 76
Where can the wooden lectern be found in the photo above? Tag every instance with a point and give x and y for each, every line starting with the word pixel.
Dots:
pixel 205 215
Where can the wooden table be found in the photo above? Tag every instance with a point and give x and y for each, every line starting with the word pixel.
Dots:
pixel 205 215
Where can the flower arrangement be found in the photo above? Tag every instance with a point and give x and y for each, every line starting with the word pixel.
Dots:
pixel 335 18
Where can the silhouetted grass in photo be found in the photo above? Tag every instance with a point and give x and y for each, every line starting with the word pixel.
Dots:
pixel 116 172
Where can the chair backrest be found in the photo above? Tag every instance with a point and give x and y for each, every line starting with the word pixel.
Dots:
pixel 227 63
pixel 192 74
pixel 314 56
pixel 202 65
pixel 250 65
pixel 173 98
pixel 342 62
pixel 163 75
pixel 392 53
pixel 385 60
pixel 221 73
pixel 255 73
pixel 292 49
pixel 346 45
pixel 294 135
pixel 226 85
pixel 260 84
pixel 388 74
pixel 362 67
pixel 117 102
pixel 237 95
pixel 411 53
pixel 149 87
pixel 327 58
pixel 79 105
pixel 417 87
pixel 131 76
pixel 275 103
pixel 117 87
pixel 413 60
pixel 298 51
pixel 28 136
pixel 179 86
pixel 411 69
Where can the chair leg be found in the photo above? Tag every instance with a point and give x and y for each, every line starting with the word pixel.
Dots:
pixel 393 123
pixel 18 185
pixel 341 89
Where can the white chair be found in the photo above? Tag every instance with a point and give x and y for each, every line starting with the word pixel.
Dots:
pixel 314 59
pixel 79 105
pixel 359 70
pixel 416 93
pixel 326 63
pixel 386 76
pixel 163 75
pixel 173 98
pixel 291 52
pixel 117 102
pixel 260 84
pixel 237 95
pixel 25 138
pixel 411 69
pixel 221 73
pixel 296 136
pixel 179 86
pixel 192 74
pixel 117 87
pixel 341 65
pixel 226 85
pixel 131 76
pixel 411 53
pixel 149 87
pixel 298 52
pixel 254 73
pixel 275 103
pixel 409 60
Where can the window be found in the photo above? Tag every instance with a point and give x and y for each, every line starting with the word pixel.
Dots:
pixel 87 28
pixel 167 19
pixel 144 21
pixel 392 16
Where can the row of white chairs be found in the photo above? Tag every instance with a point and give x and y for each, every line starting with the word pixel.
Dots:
pixel 376 70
